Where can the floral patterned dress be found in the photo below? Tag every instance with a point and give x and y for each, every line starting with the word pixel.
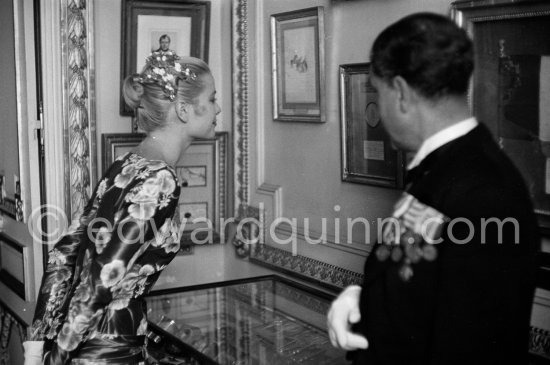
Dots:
pixel 90 308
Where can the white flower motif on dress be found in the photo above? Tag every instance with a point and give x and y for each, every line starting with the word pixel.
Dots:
pixel 162 234
pixel 172 243
pixel 146 270
pixel 74 329
pixel 101 188
pixel 117 217
pixel 142 210
pixel 166 181
pixel 118 304
pixel 56 258
pixel 103 237
pixel 61 275
pixel 165 201
pixel 146 198
pixel 126 175
pixel 112 273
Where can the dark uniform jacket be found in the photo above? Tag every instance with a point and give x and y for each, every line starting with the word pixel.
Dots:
pixel 467 298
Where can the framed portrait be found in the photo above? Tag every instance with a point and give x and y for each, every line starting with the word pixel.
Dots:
pixel 368 156
pixel 510 90
pixel 168 25
pixel 298 53
pixel 202 175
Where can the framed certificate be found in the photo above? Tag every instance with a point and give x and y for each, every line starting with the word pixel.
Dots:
pixel 367 153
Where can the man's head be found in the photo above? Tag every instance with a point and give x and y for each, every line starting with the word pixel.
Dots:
pixel 164 42
pixel 423 59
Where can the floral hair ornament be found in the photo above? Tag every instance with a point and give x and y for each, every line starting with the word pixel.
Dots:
pixel 164 69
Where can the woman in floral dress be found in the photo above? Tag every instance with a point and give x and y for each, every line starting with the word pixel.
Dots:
pixel 90 308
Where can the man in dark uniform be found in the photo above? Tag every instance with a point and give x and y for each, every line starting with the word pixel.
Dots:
pixel 453 280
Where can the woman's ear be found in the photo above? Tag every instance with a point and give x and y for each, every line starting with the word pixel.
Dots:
pixel 182 111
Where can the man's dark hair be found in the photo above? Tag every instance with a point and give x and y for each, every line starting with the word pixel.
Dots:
pixel 431 52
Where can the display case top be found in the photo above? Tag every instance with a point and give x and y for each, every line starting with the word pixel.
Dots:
pixel 266 320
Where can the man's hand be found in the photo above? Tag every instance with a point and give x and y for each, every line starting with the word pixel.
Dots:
pixel 344 312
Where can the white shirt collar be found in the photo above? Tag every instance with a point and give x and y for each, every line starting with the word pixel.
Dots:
pixel 442 137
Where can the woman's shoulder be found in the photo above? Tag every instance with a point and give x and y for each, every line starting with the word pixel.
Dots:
pixel 137 166
pixel 132 172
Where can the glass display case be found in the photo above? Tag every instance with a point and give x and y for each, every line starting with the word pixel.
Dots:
pixel 267 320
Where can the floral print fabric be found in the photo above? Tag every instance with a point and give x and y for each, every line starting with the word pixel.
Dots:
pixel 98 273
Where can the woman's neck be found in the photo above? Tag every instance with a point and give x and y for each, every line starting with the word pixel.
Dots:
pixel 163 145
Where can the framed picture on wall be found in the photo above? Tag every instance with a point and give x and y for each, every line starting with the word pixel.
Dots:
pixel 202 175
pixel 297 43
pixel 168 25
pixel 115 145
pixel 510 92
pixel 367 153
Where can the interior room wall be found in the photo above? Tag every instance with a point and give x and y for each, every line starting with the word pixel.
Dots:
pixel 304 159
pixel 108 57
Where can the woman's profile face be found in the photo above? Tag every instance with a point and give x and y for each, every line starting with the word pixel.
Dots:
pixel 202 116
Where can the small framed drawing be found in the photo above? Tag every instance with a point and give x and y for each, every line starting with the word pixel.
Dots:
pixel 203 202
pixel 202 175
pixel 166 25
pixel 367 153
pixel 510 90
pixel 192 176
pixel 297 48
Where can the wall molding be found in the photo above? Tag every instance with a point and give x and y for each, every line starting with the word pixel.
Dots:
pixel 79 101
pixel 240 103
pixel 275 192
pixel 284 231
pixel 318 272
pixel 68 106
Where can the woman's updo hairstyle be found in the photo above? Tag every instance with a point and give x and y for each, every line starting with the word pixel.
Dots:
pixel 166 78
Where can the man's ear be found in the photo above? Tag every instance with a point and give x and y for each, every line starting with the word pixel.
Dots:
pixel 404 93
pixel 182 111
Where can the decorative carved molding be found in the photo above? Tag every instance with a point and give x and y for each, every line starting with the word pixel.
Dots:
pixel 240 103
pixel 78 67
pixel 221 163
pixel 321 273
pixel 539 342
